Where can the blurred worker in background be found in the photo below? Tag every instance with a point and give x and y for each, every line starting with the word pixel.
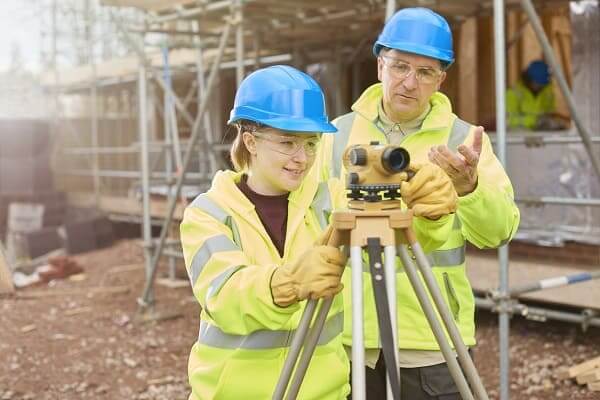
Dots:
pixel 413 52
pixel 530 103
pixel 249 247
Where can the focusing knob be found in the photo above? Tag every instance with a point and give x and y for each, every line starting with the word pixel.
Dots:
pixel 352 178
pixel 358 156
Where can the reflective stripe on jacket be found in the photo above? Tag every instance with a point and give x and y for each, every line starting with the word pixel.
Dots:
pixel 524 108
pixel 244 337
pixel 487 217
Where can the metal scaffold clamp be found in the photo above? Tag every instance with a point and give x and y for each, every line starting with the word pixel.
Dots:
pixel 587 315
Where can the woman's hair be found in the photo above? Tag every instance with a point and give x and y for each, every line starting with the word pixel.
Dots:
pixel 240 156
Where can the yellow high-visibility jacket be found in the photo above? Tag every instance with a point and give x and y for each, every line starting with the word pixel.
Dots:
pixel 487 217
pixel 524 108
pixel 244 337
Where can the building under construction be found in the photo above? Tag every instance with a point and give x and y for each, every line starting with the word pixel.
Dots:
pixel 136 138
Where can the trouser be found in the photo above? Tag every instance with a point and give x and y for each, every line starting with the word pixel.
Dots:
pixel 424 383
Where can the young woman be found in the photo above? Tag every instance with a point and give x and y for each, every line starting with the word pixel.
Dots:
pixel 249 246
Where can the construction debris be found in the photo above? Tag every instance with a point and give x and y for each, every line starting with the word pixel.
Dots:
pixel 29 266
pixel 77 311
pixel 173 283
pixel 59 268
pixel 586 373
pixel 589 377
pixel 22 280
pixel 28 328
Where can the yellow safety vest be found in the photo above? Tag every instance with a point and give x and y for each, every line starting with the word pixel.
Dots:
pixel 244 337
pixel 524 108
pixel 487 217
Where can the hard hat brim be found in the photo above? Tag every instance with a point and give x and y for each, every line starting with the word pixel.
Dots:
pixel 447 58
pixel 298 125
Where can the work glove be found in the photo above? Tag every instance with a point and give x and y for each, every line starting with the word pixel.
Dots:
pixel 430 192
pixel 313 275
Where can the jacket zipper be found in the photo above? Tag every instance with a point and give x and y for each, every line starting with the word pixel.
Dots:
pixel 452 299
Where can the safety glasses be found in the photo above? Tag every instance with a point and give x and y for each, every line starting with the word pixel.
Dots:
pixel 289 145
pixel 401 70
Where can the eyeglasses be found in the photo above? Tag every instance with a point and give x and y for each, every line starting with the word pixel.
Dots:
pixel 290 145
pixel 401 70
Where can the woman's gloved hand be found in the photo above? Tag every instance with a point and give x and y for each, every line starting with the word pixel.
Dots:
pixel 313 275
pixel 430 193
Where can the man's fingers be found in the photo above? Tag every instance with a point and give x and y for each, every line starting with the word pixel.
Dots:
pixel 431 157
pixel 453 160
pixel 472 153
pixel 441 161
pixel 471 157
pixel 477 140
pixel 436 158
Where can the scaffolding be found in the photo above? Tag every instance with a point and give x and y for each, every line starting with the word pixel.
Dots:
pixel 199 39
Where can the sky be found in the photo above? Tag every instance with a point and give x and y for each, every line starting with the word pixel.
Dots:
pixel 20 24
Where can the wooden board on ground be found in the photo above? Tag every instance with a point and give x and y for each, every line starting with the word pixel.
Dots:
pixel 483 274
pixel 584 367
pixel 125 268
pixel 577 370
pixel 6 283
pixel 173 283
pixel 589 377
pixel 89 292
pixel 594 386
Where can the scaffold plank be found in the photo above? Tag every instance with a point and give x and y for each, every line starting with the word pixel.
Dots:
pixel 483 274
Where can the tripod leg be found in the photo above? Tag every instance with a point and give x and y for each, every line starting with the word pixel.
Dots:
pixel 461 350
pixel 358 336
pixel 435 324
pixel 295 347
pixel 309 348
pixel 389 253
pixel 382 302
pixel 300 338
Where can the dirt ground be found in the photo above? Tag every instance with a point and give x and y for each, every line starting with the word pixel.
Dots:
pixel 81 346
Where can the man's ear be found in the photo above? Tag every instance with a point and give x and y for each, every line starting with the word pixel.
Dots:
pixel 442 79
pixel 249 142
pixel 379 68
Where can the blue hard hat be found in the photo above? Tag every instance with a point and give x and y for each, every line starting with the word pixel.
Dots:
pixel 538 72
pixel 284 98
pixel 420 31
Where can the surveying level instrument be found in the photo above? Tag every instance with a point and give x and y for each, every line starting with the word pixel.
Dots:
pixel 374 222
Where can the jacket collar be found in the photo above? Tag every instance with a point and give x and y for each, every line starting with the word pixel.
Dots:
pixel 224 188
pixel 441 109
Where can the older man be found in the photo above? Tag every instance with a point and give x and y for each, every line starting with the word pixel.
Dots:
pixel 413 52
